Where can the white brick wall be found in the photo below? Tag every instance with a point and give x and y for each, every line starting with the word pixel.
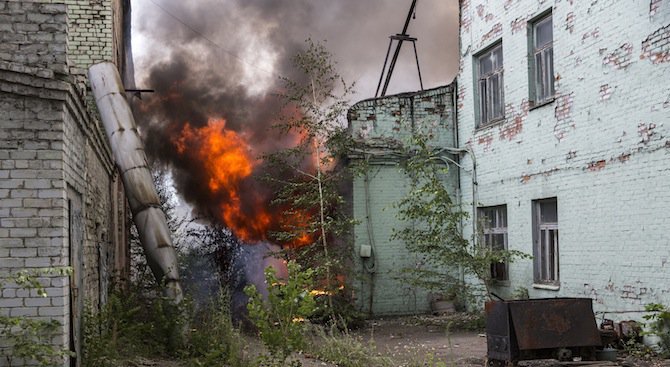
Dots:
pixel 52 150
pixel 601 147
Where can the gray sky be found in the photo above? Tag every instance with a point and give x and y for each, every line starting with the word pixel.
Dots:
pixel 257 34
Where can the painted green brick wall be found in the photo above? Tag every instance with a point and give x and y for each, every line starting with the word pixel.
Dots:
pixel 379 125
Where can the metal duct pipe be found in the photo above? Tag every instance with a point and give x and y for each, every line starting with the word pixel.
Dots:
pixel 131 159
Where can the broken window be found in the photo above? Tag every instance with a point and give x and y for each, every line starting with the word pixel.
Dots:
pixel 545 241
pixel 494 232
pixel 490 85
pixel 542 60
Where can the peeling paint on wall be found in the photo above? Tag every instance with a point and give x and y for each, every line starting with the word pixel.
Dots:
pixel 570 22
pixel 508 4
pixel 623 158
pixel 646 132
pixel 495 32
pixel 480 11
pixel 596 165
pixel 465 15
pixel 605 92
pixel 563 115
pixel 656 47
pixel 518 24
pixel 460 97
pixel 654 5
pixel 593 35
pixel 485 140
pixel 514 124
pixel 620 58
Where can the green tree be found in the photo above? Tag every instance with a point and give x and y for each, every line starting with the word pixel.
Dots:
pixel 309 175
pixel 279 320
pixel 434 221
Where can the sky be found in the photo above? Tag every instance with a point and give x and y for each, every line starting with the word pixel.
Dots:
pixel 253 38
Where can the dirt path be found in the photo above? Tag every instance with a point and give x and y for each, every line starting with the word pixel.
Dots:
pixel 406 340
pixel 412 341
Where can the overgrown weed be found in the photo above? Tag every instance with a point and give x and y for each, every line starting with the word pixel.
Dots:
pixel 130 326
pixel 338 346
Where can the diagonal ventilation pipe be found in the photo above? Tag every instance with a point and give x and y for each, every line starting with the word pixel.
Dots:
pixel 131 159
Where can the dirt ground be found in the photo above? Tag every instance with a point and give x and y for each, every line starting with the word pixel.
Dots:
pixel 426 341
pixel 419 339
pixel 408 339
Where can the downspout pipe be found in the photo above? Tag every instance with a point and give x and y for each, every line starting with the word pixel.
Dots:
pixel 128 151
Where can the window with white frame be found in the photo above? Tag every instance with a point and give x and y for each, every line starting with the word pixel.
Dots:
pixel 494 232
pixel 542 60
pixel 490 85
pixel 545 241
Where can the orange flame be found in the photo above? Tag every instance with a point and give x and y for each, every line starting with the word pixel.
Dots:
pixel 227 162
pixel 226 159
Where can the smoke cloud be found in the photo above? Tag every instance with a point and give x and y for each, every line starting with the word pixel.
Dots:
pixel 222 59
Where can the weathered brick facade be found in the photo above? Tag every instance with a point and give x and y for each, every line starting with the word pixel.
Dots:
pixel 61 203
pixel 599 146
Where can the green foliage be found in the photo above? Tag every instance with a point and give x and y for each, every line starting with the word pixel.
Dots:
pixel 520 293
pixel 345 350
pixel 280 319
pixel 658 321
pixel 634 348
pixel 131 324
pixel 340 306
pixel 431 360
pixel 433 230
pixel 309 176
pixel 31 338
pixel 212 339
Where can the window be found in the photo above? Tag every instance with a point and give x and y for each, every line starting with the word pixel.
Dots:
pixel 542 60
pixel 494 230
pixel 545 241
pixel 490 85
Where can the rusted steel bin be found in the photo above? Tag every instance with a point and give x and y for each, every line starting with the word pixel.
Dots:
pixel 541 328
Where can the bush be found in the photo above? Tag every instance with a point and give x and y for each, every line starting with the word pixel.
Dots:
pixel 31 339
pixel 659 325
pixel 212 339
pixel 129 325
pixel 280 320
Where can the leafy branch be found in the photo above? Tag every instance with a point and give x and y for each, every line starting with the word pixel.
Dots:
pixel 434 221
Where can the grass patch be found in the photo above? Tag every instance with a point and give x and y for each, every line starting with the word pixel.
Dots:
pixel 345 350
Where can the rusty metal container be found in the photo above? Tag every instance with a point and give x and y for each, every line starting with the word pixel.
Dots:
pixel 559 328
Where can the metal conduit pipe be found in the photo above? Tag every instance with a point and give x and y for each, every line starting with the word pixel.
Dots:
pixel 128 151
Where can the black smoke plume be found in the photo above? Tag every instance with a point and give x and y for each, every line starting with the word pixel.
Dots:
pixel 224 59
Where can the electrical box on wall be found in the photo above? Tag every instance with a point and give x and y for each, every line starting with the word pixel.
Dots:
pixel 365 251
